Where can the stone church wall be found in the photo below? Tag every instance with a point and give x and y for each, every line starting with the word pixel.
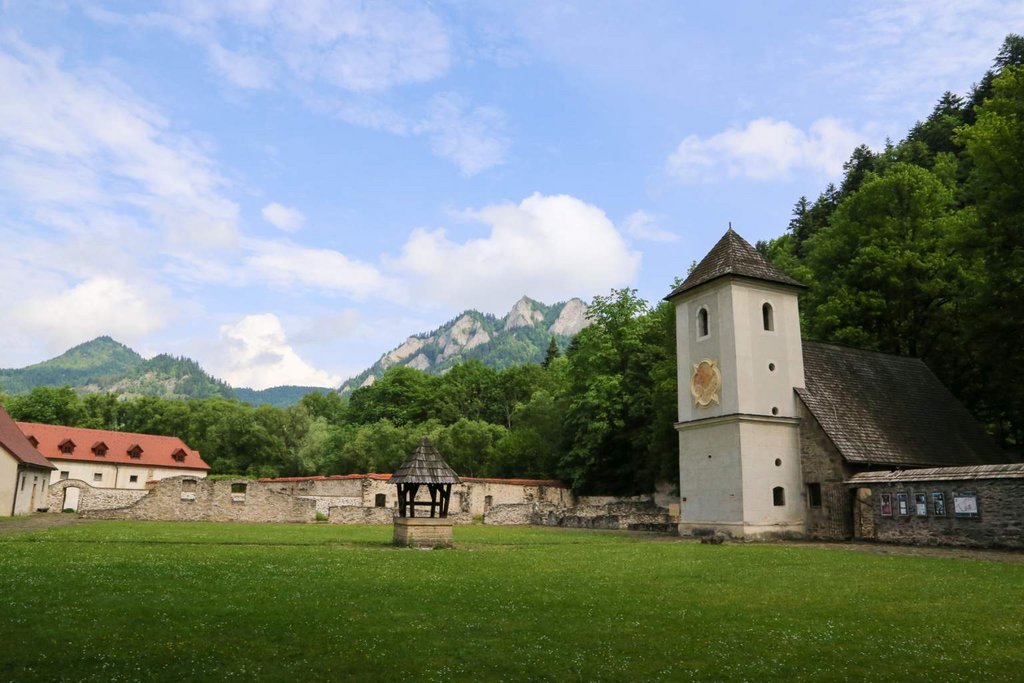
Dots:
pixel 188 499
pixel 821 463
pixel 999 522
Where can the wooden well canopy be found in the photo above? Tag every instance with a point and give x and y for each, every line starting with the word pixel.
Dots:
pixel 424 467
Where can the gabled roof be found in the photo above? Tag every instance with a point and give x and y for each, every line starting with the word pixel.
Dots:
pixel 425 466
pixel 881 409
pixel 156 450
pixel 733 255
pixel 17 444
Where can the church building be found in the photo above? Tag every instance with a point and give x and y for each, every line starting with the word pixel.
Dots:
pixel 773 428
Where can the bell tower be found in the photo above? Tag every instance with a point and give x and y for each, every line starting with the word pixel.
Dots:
pixel 740 357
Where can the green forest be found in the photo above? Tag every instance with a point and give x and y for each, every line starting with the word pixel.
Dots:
pixel 919 250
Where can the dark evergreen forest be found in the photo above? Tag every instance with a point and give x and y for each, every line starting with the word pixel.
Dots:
pixel 919 250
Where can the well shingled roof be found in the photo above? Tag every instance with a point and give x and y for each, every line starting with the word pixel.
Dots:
pixel 425 466
pixel 881 409
pixel 733 255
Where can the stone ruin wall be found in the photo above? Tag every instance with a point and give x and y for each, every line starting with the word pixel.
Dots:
pixel 638 513
pixel 187 498
pixel 90 497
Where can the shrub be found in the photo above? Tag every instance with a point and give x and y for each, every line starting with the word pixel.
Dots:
pixel 321 517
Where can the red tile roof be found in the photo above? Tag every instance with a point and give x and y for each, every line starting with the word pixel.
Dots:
pixel 18 445
pixel 385 477
pixel 156 450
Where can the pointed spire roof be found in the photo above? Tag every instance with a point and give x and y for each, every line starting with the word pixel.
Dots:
pixel 733 255
pixel 425 466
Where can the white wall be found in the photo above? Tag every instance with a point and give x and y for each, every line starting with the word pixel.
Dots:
pixel 115 475
pixel 8 482
pixel 711 475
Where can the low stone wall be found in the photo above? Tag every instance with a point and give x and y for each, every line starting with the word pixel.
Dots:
pixel 191 499
pixel 90 497
pixel 357 514
pixel 325 503
pixel 635 515
pixel 999 522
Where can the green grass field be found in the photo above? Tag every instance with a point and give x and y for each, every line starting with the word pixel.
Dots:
pixel 122 601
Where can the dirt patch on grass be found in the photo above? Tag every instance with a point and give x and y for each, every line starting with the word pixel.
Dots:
pixel 10 526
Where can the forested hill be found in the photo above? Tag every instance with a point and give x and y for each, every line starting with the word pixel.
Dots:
pixel 522 336
pixel 920 249
pixel 106 365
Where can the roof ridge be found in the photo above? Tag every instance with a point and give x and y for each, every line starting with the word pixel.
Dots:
pixel 733 255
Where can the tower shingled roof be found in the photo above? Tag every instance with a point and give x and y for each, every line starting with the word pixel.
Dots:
pixel 425 466
pixel 733 255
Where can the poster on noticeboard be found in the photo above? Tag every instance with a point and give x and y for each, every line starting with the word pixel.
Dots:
pixel 886 499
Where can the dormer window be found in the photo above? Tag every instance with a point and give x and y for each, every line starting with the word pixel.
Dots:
pixel 34 441
pixel 135 451
pixel 179 455
pixel 768 317
pixel 702 323
pixel 66 446
pixel 99 449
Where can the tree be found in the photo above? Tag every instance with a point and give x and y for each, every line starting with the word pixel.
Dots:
pixel 552 352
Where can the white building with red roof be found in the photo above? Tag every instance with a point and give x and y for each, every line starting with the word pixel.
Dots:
pixel 107 459
pixel 24 472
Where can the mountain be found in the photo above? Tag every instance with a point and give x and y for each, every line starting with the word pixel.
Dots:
pixel 107 365
pixel 522 336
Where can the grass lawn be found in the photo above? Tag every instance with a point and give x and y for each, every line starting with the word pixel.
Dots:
pixel 120 601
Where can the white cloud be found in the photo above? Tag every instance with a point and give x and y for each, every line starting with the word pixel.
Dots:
pixel 79 138
pixel 643 226
pixel 549 247
pixel 765 149
pixel 908 52
pixel 283 217
pixel 257 355
pixel 102 305
pixel 286 264
pixel 243 70
pixel 472 138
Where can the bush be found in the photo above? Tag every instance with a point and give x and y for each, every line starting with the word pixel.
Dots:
pixel 68 510
pixel 321 517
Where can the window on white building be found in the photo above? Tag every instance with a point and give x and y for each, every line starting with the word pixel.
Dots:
pixel 98 476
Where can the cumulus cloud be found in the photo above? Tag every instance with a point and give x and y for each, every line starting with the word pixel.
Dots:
pixel 257 355
pixel 765 149
pixel 287 264
pixel 643 226
pixel 283 217
pixel 102 305
pixel 550 247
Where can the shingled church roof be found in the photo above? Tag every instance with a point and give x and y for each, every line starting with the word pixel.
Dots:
pixel 881 409
pixel 733 255
pixel 425 466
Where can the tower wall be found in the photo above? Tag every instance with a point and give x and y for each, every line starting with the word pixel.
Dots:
pixel 728 450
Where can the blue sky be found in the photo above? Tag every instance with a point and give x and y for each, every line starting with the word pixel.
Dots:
pixel 283 190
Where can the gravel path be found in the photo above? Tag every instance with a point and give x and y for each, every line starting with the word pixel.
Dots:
pixel 10 526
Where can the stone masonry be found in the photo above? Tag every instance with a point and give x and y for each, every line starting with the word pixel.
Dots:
pixel 91 498
pixel 822 463
pixel 1000 511
pixel 228 500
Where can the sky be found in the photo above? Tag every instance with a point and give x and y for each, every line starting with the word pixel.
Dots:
pixel 283 190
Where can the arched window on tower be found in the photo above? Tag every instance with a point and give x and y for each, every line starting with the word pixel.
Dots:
pixel 702 323
pixel 778 496
pixel 769 316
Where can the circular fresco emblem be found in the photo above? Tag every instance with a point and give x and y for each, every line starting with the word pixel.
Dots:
pixel 705 383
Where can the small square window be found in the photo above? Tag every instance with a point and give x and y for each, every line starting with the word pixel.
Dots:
pixel 98 476
pixel 133 478
pixel 64 474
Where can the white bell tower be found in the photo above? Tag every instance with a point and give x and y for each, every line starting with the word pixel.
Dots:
pixel 740 357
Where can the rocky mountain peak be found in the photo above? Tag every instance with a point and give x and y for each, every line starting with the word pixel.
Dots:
pixel 523 314
pixel 572 319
